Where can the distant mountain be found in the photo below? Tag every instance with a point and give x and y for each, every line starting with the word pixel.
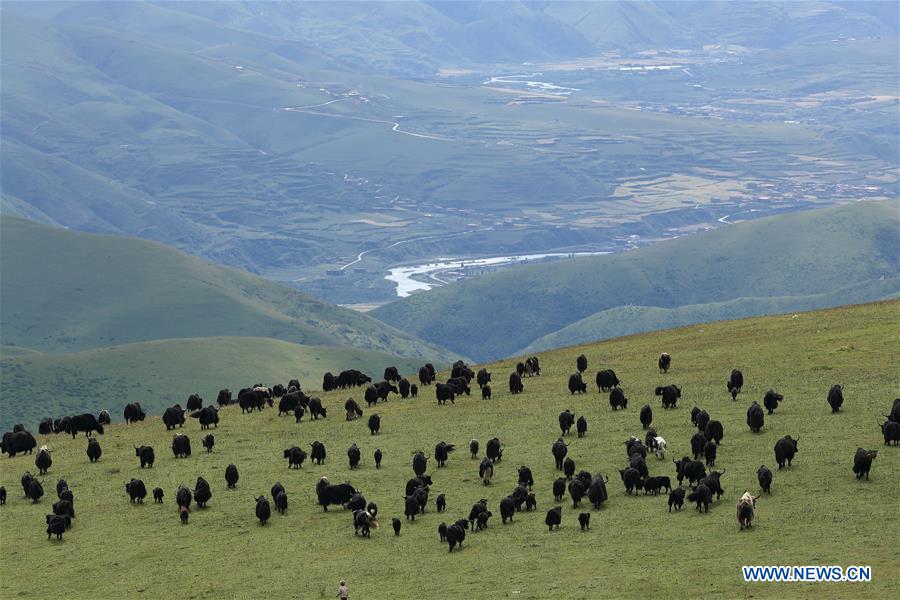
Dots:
pixel 793 262
pixel 64 291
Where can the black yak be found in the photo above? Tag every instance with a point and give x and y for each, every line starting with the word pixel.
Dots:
pixel 735 383
pixel 664 362
pixel 785 449
pixel 835 398
pixel 755 417
pixel 862 462
pixel 771 400
pixel 577 384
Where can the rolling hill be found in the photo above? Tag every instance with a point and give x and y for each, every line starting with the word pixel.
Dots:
pixel 787 263
pixel 800 355
pixel 161 373
pixel 64 291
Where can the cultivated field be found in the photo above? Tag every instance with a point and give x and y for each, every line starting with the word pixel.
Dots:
pixel 818 512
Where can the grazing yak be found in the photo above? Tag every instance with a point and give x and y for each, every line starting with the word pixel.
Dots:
pixel 43 460
pixel 281 502
pixel 745 508
pixel 208 442
pixel 181 445
pixel 596 492
pixel 352 410
pixel 709 453
pixel 86 423
pixel 559 488
pixel 764 476
pixel 353 456
pixel 455 535
pixel 442 452
pixel 576 491
pixel 664 362
pixel 891 432
pixel 617 399
pixel 862 462
pixel 356 502
pixel 483 377
pixel 231 475
pixel 486 470
pixel 93 450
pixel 444 392
pixel 317 452
pixel 658 446
pixel 146 454
pixel 526 479
pixel 173 417
pixel 328 493
pixel 263 510
pixel 532 366
pixel 56 525
pixel 374 423
pixel 494 450
pixel 460 385
pixel 507 509
pixel 515 384
pixel 295 457
pixel 16 442
pixel 316 409
pixel 755 417
pixel 771 400
pixel 631 477
pixel 384 389
pixel 676 499
pixel 712 481
pixel 45 427
pixel 391 374
pixel 553 518
pixel 566 420
pixel 378 457
pixel 735 383
pixel 136 490
pixel 363 523
pixel 329 382
pixel 194 402
pixel 577 384
pixel 291 401
pixel 581 363
pixel 202 492
pixel 224 397
pixel 559 450
pixel 103 418
pixel 208 415
pixel 133 413
pixel 715 431
pixel 698 443
pixel 419 463
pixel 646 416
pixel 785 449
pixel 669 395
pixel 607 380
pixel 183 497
pixel 836 398
pixel 581 426
pixel 35 490
pixel 702 496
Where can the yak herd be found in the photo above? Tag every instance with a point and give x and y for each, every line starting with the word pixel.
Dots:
pixel 703 481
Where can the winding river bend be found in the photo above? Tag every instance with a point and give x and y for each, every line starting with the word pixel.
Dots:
pixel 413 278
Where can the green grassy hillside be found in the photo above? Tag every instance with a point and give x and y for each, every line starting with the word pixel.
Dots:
pixel 162 372
pixel 625 320
pixel 799 255
pixel 818 513
pixel 64 291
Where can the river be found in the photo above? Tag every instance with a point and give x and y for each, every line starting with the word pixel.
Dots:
pixel 409 278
